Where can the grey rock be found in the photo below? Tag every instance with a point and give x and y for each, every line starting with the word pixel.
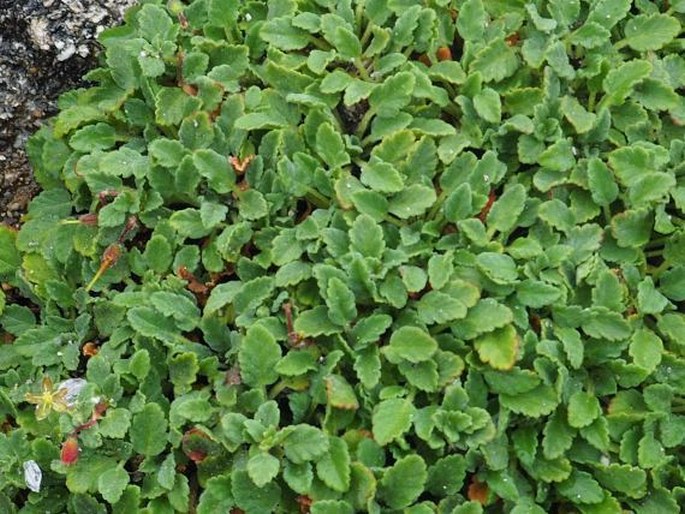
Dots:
pixel 46 46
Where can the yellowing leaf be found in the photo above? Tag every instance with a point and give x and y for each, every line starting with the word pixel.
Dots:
pixel 499 348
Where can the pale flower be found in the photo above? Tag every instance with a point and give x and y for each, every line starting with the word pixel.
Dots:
pixel 32 475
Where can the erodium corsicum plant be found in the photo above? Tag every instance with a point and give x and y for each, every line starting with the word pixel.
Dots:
pixel 379 256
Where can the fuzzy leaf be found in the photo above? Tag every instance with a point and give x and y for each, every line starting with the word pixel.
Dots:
pixel 262 468
pixel 412 344
pixel 402 484
pixel 583 409
pixel 650 31
pixel 305 443
pixel 391 419
pixel 334 468
pixel 499 347
pixel 149 430
pixel 258 355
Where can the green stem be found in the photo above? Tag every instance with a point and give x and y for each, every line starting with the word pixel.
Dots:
pixel 437 205
pixel 658 270
pixel 591 101
pixel 277 389
pixel 394 221
pixel 364 123
pixel 659 241
pixel 367 34
pixel 361 69
pixel 655 253
pixel 321 45
pixel 313 196
pixel 607 213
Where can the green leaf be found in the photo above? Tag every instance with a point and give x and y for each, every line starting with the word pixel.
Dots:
pixel 471 20
pixel 575 113
pixel 148 322
pixel 367 365
pixel 334 467
pixel 438 307
pixel 366 237
pixel 346 43
pixel 620 81
pixel 536 294
pixel 632 228
pixel 602 185
pixel 608 12
pixel 495 62
pixel 484 316
pixel 158 253
pixel 558 436
pixel 382 176
pixel 258 355
pixel 558 157
pixel 251 498
pixel 149 430
pixel 216 496
pixel 672 283
pixel 212 214
pixel 646 349
pixel 315 322
pixel 602 323
pixel 580 487
pixel 177 306
pixel 651 187
pixel 10 258
pixel 499 268
pixel 446 475
pixel 262 468
pixel 215 169
pixel 403 483
pixel 414 200
pixel 331 507
pixel 391 419
pixel 305 443
pixel 111 483
pixel 98 136
pixel 183 370
pixel 583 409
pixel 154 24
pixel 331 147
pixel 281 33
pixel 340 394
pixel 412 344
pixel 622 478
pixel 535 403
pixel 188 223
pixel 172 105
pixel 488 105
pixel 393 95
pixel 590 35
pixel 507 208
pixel 649 299
pixel 335 82
pixel 650 32
pixel 296 362
pixel 499 348
pixel 369 329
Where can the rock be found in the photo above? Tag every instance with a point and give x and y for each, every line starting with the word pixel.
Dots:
pixel 46 46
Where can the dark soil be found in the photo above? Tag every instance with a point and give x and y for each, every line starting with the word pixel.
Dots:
pixel 46 46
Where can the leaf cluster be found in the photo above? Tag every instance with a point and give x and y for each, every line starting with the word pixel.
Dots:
pixel 358 256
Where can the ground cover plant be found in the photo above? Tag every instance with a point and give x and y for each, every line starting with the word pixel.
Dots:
pixel 376 256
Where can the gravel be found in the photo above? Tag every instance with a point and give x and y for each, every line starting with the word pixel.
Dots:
pixel 46 46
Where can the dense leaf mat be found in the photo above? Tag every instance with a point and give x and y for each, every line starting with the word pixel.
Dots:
pixel 333 256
